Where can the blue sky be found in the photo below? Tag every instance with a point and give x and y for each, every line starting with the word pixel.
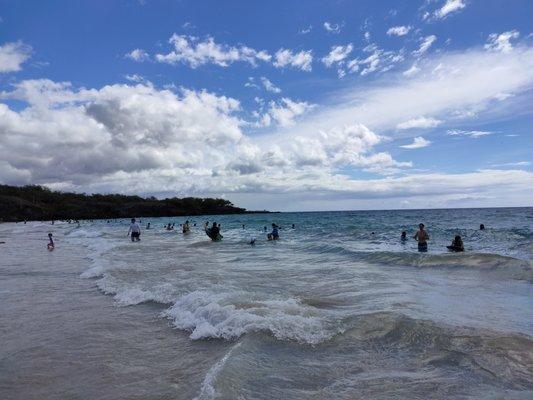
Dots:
pixel 286 105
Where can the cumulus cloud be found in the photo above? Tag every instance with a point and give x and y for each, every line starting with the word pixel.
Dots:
pixel 398 30
pixel 13 55
pixel 80 135
pixel 418 142
pixel 337 54
pixel 501 42
pixel 138 55
pixel 425 45
pixel 300 60
pixel 194 52
pixel 451 6
pixel 269 86
pixel 420 122
pixel 141 139
pixel 283 112
pixel 331 27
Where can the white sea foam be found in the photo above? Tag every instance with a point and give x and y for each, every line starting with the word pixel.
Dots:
pixel 227 316
pixel 208 390
pixel 128 295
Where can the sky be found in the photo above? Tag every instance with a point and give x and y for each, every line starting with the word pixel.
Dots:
pixel 278 105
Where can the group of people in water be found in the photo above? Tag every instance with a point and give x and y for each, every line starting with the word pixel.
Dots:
pixel 213 232
pixel 422 237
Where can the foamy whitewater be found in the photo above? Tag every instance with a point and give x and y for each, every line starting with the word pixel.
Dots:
pixel 330 311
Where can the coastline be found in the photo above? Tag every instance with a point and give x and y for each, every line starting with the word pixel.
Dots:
pixel 62 339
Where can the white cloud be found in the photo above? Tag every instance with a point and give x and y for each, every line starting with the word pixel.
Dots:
pixel 411 71
pixel 134 78
pixel 337 54
pixel 269 86
pixel 425 45
pixel 190 50
pixel 398 30
pixel 514 164
pixel 13 55
pixel 138 55
pixel 139 139
pixel 449 7
pixel 501 42
pixel 474 134
pixel 331 27
pixel 305 31
pixel 285 112
pixel 251 83
pixel 378 60
pixel 418 142
pixel 300 60
pixel 420 122
pixel 79 136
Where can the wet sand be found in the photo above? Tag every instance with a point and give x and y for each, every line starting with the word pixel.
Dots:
pixel 61 339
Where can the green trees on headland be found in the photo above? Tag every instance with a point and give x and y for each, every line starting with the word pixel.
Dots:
pixel 40 203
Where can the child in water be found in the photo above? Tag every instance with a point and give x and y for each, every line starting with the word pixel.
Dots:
pixel 274 235
pixel 50 246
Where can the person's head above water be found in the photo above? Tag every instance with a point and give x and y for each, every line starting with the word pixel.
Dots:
pixel 481 226
pixel 132 220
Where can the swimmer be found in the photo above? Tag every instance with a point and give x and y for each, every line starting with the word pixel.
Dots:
pixel 186 228
pixel 50 246
pixel 274 235
pixel 422 237
pixel 457 245
pixel 403 238
pixel 481 227
pixel 252 241
pixel 135 231
pixel 148 225
pixel 293 226
pixel 243 226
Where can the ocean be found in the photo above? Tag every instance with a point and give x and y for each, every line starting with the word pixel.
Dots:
pixel 338 308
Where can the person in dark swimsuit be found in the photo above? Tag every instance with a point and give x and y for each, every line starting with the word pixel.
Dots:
pixel 457 244
pixel 421 236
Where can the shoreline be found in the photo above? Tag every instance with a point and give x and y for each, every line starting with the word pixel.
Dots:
pixel 62 338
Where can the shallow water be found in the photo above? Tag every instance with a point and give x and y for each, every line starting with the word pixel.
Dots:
pixel 329 311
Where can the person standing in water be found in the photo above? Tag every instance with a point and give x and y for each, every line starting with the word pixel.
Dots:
pixel 50 246
pixel 274 235
pixel 186 228
pixel 404 236
pixel 135 231
pixel 421 236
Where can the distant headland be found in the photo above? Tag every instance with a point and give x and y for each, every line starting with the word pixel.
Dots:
pixel 40 203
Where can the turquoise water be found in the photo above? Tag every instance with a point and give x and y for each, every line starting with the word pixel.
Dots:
pixel 339 307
